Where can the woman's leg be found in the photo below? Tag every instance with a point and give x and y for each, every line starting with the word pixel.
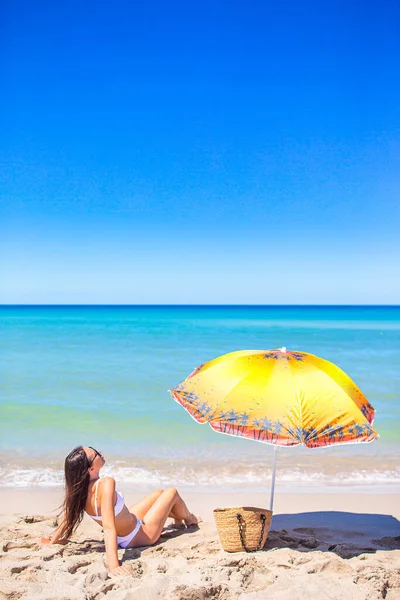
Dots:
pixel 168 503
pixel 143 506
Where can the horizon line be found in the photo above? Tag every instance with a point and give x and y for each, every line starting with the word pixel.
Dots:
pixel 152 304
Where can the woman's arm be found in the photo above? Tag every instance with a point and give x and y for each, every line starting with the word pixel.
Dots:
pixel 108 519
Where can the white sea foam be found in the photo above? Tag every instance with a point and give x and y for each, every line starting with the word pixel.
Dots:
pixel 208 477
pixel 30 477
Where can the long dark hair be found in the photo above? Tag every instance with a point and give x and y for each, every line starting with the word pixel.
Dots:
pixel 77 479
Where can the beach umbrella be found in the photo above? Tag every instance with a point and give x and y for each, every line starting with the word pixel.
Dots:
pixel 278 397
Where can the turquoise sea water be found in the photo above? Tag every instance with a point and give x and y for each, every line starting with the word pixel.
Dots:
pixel 100 376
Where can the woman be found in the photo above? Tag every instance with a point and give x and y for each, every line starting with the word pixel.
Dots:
pixel 140 525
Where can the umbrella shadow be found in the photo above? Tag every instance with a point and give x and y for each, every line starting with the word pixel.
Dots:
pixel 344 533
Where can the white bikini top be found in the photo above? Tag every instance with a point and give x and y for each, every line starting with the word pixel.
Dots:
pixel 118 506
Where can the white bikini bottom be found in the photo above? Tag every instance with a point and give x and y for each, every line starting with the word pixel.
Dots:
pixel 123 542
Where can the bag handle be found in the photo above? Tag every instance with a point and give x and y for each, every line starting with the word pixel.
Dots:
pixel 241 523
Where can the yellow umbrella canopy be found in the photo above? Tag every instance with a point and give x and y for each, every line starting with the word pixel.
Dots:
pixel 279 397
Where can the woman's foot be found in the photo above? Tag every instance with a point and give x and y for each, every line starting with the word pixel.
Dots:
pixel 189 522
pixel 192 520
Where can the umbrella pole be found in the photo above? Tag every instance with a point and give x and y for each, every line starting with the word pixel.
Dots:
pixel 271 502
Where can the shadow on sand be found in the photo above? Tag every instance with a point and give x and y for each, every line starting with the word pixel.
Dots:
pixel 168 533
pixel 347 534
pixel 344 533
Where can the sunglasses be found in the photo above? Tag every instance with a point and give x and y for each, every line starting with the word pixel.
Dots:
pixel 96 453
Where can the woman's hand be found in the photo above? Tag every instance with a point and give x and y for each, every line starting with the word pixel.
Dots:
pixel 122 571
pixel 46 540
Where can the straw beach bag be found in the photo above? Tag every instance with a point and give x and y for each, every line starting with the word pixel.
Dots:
pixel 242 529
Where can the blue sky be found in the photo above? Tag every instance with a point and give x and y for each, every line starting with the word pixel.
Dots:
pixel 212 153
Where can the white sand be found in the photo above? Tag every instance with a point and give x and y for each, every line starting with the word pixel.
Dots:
pixel 327 546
